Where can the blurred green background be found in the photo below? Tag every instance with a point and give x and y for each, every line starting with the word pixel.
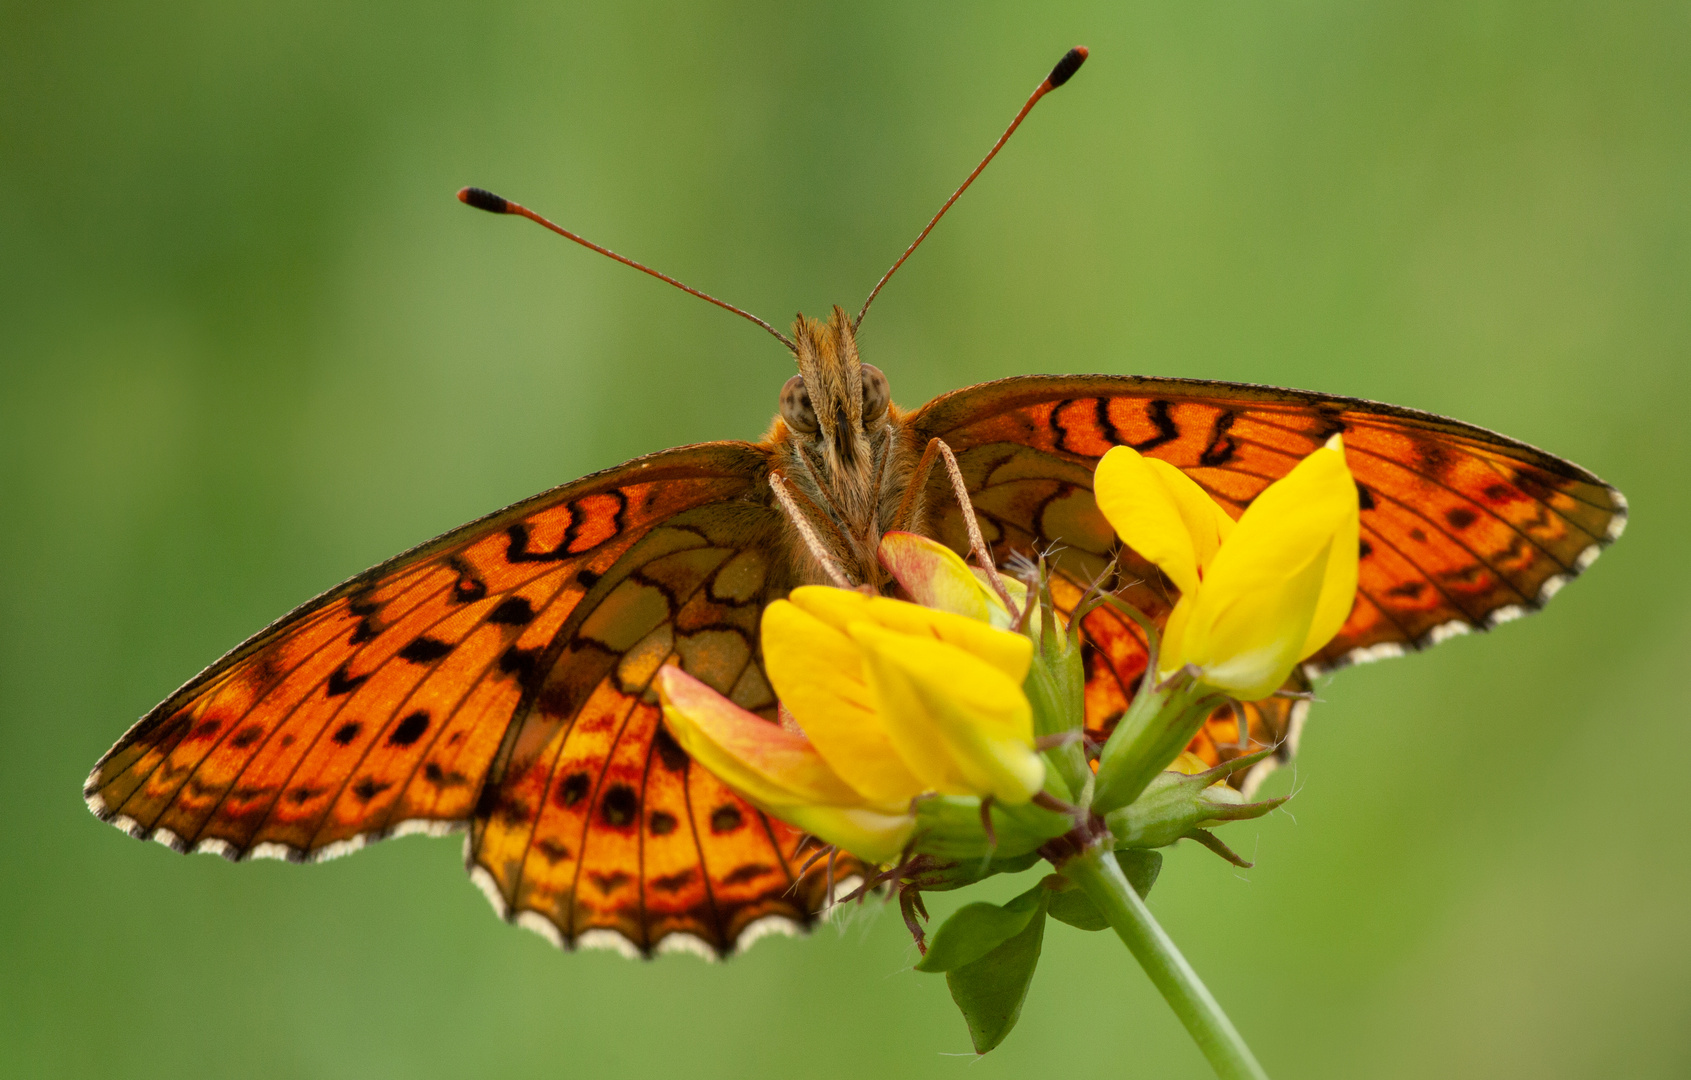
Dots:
pixel 250 345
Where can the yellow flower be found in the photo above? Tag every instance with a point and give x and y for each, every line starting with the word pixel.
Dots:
pixel 778 771
pixel 904 700
pixel 893 701
pixel 1257 595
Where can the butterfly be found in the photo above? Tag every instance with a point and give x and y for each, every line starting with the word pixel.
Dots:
pixel 497 680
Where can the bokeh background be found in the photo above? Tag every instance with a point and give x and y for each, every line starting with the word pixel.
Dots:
pixel 251 345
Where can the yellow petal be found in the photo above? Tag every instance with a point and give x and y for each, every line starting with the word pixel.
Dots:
pixel 933 575
pixel 1161 513
pixel 1256 609
pixel 1338 588
pixel 1208 523
pixel 1249 647
pixel 817 672
pixel 872 835
pixel 997 614
pixel 771 767
pixel 960 723
pixel 1171 655
pixel 1188 763
pixel 837 608
pixel 1009 652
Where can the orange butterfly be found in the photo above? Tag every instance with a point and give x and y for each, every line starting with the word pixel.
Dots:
pixel 498 678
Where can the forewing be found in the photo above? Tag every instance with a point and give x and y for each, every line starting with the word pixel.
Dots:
pixel 1462 529
pixel 395 702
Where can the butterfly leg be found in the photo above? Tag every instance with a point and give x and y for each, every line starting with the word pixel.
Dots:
pixel 801 522
pixel 910 906
pixel 913 491
pixel 938 450
pixel 977 542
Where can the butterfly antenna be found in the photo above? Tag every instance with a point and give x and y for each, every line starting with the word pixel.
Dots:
pixel 1062 73
pixel 482 199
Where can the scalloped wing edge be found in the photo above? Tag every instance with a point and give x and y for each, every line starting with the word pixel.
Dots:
pixel 1497 617
pixel 599 939
pixel 679 941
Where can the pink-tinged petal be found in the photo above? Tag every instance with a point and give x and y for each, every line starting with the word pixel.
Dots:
pixel 771 767
pixel 817 672
pixel 934 575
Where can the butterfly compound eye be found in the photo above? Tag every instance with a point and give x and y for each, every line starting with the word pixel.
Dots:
pixel 875 393
pixel 795 406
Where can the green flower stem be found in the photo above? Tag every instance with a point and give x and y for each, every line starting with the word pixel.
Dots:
pixel 1098 873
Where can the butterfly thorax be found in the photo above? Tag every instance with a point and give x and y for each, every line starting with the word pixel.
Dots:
pixel 843 449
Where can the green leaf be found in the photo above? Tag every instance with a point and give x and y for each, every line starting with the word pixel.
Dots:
pixel 991 990
pixel 1075 908
pixel 1141 867
pixel 974 930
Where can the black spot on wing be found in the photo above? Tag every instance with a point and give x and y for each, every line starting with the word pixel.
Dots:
pixel 669 751
pixel 740 875
pixel 726 818
pixel 425 650
pixel 521 663
pixel 410 729
pixel 573 789
pixel 366 630
pixel 515 611
pixel 619 806
pixel 369 787
pixel 342 683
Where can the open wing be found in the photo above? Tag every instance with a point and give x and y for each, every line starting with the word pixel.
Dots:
pixel 1462 529
pixel 433 691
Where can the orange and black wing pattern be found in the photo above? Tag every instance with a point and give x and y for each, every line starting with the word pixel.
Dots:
pixel 1462 529
pixel 497 678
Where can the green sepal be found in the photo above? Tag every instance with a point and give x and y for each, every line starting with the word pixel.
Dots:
pixel 974 930
pixel 1056 688
pixel 942 877
pixel 1074 907
pixel 991 990
pixel 949 827
pixel 1158 725
pixel 1174 804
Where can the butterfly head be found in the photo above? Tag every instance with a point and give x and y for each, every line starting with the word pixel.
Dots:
pixel 836 402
